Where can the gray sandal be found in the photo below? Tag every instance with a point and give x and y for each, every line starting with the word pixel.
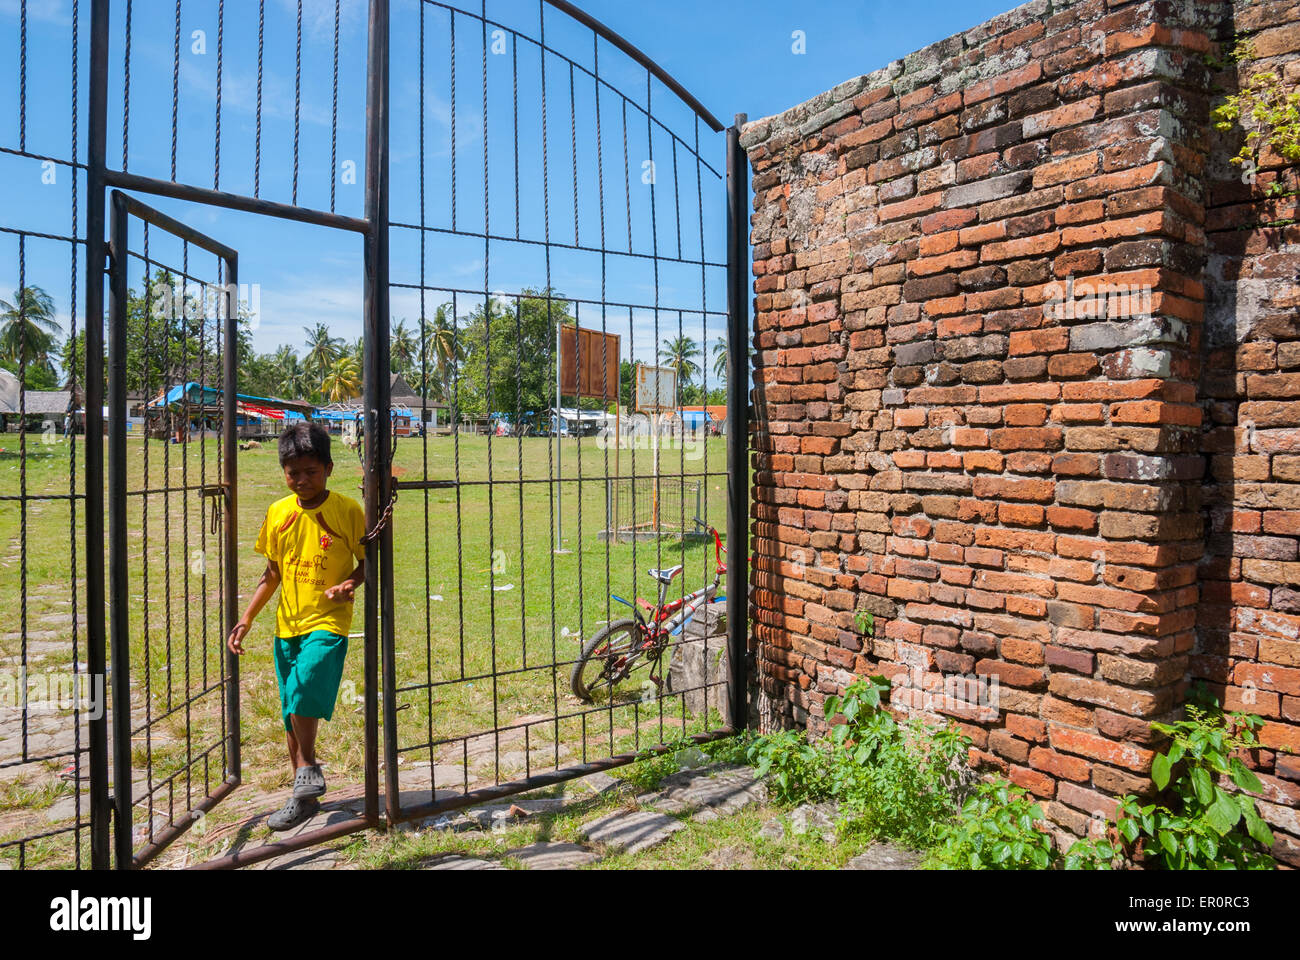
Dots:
pixel 308 782
pixel 293 812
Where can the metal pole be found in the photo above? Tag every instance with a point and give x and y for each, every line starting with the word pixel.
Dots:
pixel 656 427
pixel 230 530
pixel 378 426
pixel 559 468
pixel 618 420
pixel 119 639
pixel 738 336
pixel 96 611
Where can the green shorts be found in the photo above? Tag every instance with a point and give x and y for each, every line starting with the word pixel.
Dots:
pixel 309 669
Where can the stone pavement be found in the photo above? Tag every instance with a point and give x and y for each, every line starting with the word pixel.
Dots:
pixel 699 795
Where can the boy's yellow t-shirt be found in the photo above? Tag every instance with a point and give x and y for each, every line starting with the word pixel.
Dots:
pixel 315 549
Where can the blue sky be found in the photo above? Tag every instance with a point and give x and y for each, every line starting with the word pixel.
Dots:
pixel 733 56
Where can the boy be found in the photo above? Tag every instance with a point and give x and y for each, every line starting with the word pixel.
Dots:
pixel 309 539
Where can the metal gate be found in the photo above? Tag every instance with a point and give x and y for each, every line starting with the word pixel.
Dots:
pixel 495 573
pixel 587 188
pixel 175 692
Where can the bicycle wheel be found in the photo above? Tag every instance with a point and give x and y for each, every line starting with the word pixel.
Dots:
pixel 607 659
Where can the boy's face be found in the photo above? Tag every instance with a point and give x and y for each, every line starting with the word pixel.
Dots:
pixel 306 477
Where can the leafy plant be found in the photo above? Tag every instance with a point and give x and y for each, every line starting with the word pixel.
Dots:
pixel 1095 853
pixel 1212 828
pixel 865 621
pixel 1240 50
pixel 1269 114
pixel 796 768
pixel 996 830
pixel 650 768
pixel 730 749
pixel 902 778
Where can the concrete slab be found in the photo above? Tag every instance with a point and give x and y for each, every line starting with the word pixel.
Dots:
pixel 553 856
pixel 630 831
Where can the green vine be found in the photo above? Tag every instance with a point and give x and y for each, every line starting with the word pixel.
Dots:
pixel 1268 112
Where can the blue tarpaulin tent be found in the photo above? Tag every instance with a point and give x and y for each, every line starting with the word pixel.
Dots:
pixel 200 395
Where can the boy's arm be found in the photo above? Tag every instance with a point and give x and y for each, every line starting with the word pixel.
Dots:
pixel 266 588
pixel 347 589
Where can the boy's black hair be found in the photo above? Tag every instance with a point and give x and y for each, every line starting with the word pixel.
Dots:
pixel 305 439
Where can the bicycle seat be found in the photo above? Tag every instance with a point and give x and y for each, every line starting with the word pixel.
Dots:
pixel 665 575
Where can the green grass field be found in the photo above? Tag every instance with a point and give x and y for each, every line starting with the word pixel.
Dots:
pixel 487 616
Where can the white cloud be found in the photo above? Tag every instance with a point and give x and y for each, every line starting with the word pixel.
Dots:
pixel 46 11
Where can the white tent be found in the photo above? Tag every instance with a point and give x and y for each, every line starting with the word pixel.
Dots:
pixel 10 392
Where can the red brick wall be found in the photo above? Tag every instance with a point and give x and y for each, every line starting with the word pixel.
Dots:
pixel 1014 486
pixel 1248 630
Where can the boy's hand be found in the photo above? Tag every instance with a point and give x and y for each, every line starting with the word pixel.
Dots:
pixel 344 591
pixel 235 642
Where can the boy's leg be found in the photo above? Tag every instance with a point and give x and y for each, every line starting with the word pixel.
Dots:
pixel 316 677
pixel 286 654
pixel 303 736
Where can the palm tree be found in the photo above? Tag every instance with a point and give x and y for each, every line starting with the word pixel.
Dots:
pixel 28 328
pixel 322 349
pixel 443 348
pixel 720 358
pixel 294 380
pixel 403 350
pixel 681 352
pixel 343 381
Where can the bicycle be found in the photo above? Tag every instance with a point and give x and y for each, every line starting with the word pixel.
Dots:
pixel 625 646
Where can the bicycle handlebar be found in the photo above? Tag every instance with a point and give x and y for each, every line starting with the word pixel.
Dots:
pixel 718 548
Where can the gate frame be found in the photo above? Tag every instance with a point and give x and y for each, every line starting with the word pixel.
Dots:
pixel 125 207
pixel 379 483
pixel 104 808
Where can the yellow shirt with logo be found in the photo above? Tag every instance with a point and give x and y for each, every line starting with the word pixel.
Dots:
pixel 315 549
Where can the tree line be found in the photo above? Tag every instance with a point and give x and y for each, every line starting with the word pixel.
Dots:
pixel 499 358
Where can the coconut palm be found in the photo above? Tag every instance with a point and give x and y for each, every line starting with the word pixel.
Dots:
pixel 293 379
pixel 681 353
pixel 720 358
pixel 442 348
pixel 343 381
pixel 404 350
pixel 28 328
pixel 322 350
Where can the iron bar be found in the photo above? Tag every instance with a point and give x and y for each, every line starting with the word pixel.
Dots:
pixel 118 569
pixel 232 201
pixel 558 245
pixel 487 794
pixel 378 486
pixel 230 508
pixel 96 608
pixel 738 336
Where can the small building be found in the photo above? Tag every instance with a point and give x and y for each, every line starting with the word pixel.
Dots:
pixel 40 407
pixel 581 423
pixel 412 408
pixel 711 418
